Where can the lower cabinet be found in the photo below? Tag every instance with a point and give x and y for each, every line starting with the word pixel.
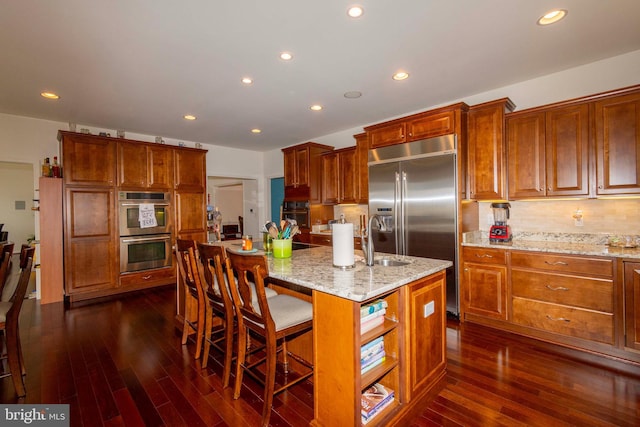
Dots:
pixel 485 282
pixel 632 304
pixel 326 240
pixel 412 335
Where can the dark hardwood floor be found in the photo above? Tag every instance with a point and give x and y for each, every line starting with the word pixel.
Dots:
pixel 120 362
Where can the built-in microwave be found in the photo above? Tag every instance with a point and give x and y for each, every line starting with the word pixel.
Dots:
pixel 129 203
pixel 145 252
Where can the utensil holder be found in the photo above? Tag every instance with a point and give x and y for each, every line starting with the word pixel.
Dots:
pixel 282 248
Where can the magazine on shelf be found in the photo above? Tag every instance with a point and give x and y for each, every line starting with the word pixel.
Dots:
pixel 373 315
pixel 374 399
pixel 371 351
pixel 371 343
pixel 371 307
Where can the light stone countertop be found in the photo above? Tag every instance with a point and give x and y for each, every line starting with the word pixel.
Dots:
pixel 312 268
pixel 563 244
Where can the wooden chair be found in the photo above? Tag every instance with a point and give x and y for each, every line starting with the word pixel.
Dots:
pixel 272 320
pixel 7 252
pixel 213 263
pixel 194 299
pixel 9 320
pixel 7 293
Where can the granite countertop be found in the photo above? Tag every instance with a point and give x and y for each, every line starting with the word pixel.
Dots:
pixel 574 244
pixel 313 268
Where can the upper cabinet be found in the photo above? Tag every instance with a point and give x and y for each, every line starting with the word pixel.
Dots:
pixel 345 174
pixel 303 171
pixel 617 136
pixel 143 165
pixel 190 170
pixel 412 128
pixel 486 150
pixel 548 152
pixel 88 160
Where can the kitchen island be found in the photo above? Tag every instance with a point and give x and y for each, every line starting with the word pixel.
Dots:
pixel 413 331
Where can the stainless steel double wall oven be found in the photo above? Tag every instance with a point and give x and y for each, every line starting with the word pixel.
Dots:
pixel 143 248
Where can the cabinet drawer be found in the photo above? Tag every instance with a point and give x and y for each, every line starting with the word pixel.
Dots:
pixel 563 263
pixel 484 255
pixel 162 275
pixel 590 293
pixel 569 321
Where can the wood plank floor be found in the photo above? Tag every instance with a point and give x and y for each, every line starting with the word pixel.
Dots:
pixel 119 362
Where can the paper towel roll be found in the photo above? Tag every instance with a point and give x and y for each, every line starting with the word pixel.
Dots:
pixel 343 253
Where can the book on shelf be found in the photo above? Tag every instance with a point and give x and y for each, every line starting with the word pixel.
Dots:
pixel 375 360
pixel 374 399
pixel 371 351
pixel 373 315
pixel 373 306
pixel 370 324
pixel 371 343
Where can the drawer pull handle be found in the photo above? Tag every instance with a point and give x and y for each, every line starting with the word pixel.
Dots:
pixel 484 256
pixel 146 277
pixel 558 319
pixel 556 263
pixel 559 288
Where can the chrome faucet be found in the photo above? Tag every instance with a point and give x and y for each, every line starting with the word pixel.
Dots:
pixel 367 243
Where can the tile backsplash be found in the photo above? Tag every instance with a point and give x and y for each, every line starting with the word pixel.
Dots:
pixel 600 216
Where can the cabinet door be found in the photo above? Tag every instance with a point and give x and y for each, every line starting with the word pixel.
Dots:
pixel 431 126
pixel 348 176
pixel 90 244
pixel 426 332
pixel 88 160
pixel 190 170
pixel 567 151
pixel 190 215
pixel 632 304
pixel 485 290
pixel 132 165
pixel 362 155
pixel 330 179
pixel 526 155
pixel 617 122
pixel 486 155
pixel 302 166
pixel 387 135
pixel 160 161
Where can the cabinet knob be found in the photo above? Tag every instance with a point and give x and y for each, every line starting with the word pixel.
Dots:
pixel 600 187
pixel 549 189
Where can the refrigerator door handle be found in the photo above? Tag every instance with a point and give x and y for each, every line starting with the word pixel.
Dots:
pixel 397 214
pixel 403 214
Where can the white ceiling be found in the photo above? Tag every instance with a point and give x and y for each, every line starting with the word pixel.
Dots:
pixel 140 65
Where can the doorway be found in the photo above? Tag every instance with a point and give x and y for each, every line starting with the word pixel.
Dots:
pixel 16 201
pixel 277 197
pixel 234 198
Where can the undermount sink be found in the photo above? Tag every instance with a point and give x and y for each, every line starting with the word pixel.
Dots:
pixel 390 263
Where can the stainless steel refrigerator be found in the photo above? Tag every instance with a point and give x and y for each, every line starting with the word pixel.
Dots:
pixel 412 187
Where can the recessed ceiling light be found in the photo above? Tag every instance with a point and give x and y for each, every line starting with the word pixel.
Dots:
pixel 189 117
pixel 255 130
pixel 49 95
pixel 552 17
pixel 316 107
pixel 247 80
pixel 355 11
pixel 400 75
pixel 286 56
pixel 353 94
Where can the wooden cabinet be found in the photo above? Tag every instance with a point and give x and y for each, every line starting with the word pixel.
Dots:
pixel 617 136
pixel 340 176
pixel 190 170
pixel 144 166
pixel 632 304
pixel 485 287
pixel 414 342
pixel 90 236
pixel 190 215
pixel 88 160
pixel 567 295
pixel 548 152
pixel 51 231
pixel 486 150
pixel 303 171
pixel 327 240
pixel 419 126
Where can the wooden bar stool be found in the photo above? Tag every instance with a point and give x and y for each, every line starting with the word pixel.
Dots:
pixel 271 320
pixel 194 299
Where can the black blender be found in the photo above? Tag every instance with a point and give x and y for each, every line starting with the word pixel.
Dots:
pixel 500 232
